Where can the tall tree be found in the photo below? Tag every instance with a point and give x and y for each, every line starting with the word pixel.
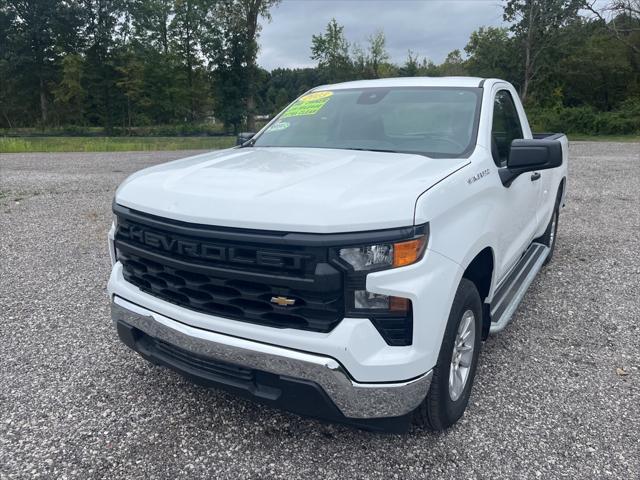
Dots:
pixel 377 52
pixel 7 77
pixel 331 50
pixel 232 48
pixel 370 64
pixel 69 94
pixel 491 53
pixel 40 30
pixel 410 67
pixel 625 19
pixel 454 64
pixel 186 31
pixel 224 46
pixel 102 31
pixel 252 10
pixel 537 26
pixel 151 20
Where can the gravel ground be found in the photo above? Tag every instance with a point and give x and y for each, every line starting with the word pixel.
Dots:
pixel 557 394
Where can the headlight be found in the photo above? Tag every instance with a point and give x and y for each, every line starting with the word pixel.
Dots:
pixel 385 255
pixel 392 316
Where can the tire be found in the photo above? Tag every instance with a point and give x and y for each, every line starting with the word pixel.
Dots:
pixel 443 405
pixel 550 235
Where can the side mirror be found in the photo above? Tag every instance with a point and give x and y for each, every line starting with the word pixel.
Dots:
pixel 244 137
pixel 530 155
pixel 535 154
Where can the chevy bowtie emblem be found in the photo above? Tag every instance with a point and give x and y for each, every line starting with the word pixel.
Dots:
pixel 283 301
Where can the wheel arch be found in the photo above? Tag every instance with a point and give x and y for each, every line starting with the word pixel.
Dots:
pixel 481 271
pixel 562 191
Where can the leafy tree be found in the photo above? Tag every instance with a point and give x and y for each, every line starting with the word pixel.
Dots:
pixel 491 53
pixel 410 67
pixel 102 32
pixel 454 64
pixel 231 46
pixel 40 29
pixel 70 94
pixel 151 22
pixel 251 11
pixel 377 52
pixel 7 77
pixel 131 83
pixel 331 50
pixel 372 63
pixel 127 63
pixel 598 73
pixel 185 30
pixel 537 26
pixel 225 49
pixel 625 20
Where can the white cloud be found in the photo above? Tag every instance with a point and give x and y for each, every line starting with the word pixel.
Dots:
pixel 430 28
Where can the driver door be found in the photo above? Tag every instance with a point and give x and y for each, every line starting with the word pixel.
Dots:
pixel 516 216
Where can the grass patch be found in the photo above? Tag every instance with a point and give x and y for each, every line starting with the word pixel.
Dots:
pixel 111 144
pixel 128 144
pixel 603 138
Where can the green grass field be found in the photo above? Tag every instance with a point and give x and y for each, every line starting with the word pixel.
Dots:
pixel 604 138
pixel 111 144
pixel 127 144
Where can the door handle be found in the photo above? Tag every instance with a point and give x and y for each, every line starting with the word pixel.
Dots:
pixel 535 176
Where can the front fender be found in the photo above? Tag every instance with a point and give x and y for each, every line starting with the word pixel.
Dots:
pixel 461 216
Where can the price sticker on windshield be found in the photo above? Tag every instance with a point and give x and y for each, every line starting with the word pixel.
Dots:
pixel 308 105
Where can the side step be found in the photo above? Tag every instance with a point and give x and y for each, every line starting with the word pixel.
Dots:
pixel 511 291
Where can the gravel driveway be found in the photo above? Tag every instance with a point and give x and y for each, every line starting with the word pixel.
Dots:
pixel 557 394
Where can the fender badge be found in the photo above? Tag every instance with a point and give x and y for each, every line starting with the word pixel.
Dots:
pixel 478 176
pixel 283 301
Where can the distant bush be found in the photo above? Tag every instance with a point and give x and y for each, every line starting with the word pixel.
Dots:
pixel 586 120
pixel 184 130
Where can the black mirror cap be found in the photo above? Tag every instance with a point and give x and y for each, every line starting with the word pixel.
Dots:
pixel 244 137
pixel 534 154
pixel 531 155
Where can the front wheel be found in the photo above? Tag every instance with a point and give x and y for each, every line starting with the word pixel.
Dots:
pixel 454 373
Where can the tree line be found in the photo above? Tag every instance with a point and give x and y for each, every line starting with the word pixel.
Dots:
pixel 123 64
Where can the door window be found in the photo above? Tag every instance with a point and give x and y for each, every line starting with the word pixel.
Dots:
pixel 506 127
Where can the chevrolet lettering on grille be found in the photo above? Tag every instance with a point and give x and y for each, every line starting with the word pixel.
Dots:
pixel 210 251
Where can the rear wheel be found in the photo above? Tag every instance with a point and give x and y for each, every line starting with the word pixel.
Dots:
pixel 454 373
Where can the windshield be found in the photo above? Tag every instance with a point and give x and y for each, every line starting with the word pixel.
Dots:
pixel 438 122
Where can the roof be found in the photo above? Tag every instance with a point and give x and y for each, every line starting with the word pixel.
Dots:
pixel 406 82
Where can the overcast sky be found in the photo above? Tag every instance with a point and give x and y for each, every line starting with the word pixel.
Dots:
pixel 430 28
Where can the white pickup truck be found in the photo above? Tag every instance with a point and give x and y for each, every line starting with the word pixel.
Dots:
pixel 347 261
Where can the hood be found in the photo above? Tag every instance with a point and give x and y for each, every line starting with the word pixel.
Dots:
pixel 288 189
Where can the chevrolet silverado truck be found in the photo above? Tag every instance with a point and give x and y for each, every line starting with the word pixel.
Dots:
pixel 347 261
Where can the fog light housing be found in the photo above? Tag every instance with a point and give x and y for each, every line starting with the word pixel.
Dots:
pixel 364 300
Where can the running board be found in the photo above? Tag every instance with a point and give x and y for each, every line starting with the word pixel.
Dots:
pixel 511 291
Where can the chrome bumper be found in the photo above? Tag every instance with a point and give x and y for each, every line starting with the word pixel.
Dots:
pixel 353 399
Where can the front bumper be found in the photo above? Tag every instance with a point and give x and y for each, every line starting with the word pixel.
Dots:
pixel 385 406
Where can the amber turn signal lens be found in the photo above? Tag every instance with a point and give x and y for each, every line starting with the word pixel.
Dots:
pixel 399 304
pixel 406 253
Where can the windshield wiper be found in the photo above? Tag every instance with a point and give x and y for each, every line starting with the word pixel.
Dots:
pixel 369 149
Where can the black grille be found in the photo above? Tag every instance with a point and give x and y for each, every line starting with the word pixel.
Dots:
pixel 240 299
pixel 231 279
pixel 240 274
